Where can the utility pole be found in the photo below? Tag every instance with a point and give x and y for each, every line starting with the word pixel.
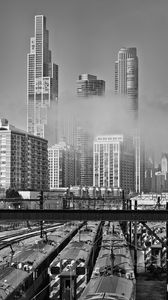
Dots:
pixel 41 207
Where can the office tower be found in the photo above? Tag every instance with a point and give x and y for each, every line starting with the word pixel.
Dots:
pixel 42 85
pixel 126 78
pixel 88 85
pixel 113 162
pixel 62 165
pixel 23 159
pixel 85 150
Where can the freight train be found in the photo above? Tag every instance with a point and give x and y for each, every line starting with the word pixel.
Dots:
pixel 113 275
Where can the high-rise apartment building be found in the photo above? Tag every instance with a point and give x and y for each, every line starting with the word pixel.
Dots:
pixel 55 166
pixel 23 159
pixel 88 85
pixel 42 84
pixel 113 162
pixel 126 77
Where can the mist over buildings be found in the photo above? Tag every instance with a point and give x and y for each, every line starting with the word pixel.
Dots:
pixel 153 123
pixel 110 114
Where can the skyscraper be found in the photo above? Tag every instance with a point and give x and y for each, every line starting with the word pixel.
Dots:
pixel 126 84
pixel 126 77
pixel 89 85
pixel 42 84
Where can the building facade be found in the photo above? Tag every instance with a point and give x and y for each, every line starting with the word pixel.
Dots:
pixel 23 159
pixel 126 84
pixel 113 162
pixel 164 163
pixel 160 182
pixel 63 163
pixel 88 85
pixel 85 150
pixel 126 77
pixel 149 173
pixel 55 166
pixel 42 84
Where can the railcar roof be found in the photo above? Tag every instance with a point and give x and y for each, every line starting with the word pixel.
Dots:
pixel 109 284
pixel 104 296
pixel 11 281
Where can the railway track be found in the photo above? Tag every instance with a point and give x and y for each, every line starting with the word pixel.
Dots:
pixel 7 241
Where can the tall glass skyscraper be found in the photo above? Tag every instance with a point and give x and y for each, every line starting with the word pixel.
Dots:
pixel 126 84
pixel 42 84
pixel 126 77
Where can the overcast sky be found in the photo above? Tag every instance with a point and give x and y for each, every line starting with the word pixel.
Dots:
pixel 85 37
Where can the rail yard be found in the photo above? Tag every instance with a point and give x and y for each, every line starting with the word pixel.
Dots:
pixel 82 259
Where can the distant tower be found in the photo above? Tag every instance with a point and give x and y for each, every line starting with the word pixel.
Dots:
pixel 126 77
pixel 42 84
pixel 88 85
pixel 126 84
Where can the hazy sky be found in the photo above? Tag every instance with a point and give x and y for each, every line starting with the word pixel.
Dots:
pixel 85 36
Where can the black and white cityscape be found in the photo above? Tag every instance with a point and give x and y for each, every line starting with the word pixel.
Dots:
pixel 84 150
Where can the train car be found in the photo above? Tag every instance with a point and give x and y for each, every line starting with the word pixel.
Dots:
pixel 74 257
pixel 29 277
pixel 113 274
pixel 108 288
pixel 15 283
